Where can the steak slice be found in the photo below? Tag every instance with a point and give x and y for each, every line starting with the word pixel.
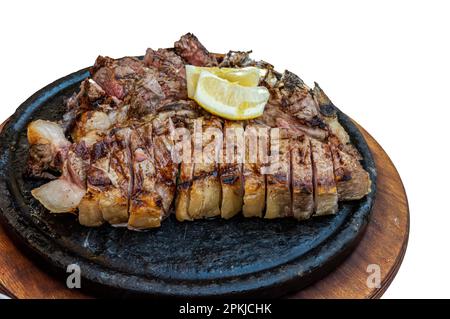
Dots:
pixel 114 203
pixel 256 148
pixel 278 199
pixel 325 191
pixel 206 191
pixel 146 209
pixel 89 213
pixel 231 169
pixel 184 186
pixel 166 168
pixel 193 52
pixel 302 178
pixel 352 181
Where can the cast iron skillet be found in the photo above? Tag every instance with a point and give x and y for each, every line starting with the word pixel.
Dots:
pixel 207 258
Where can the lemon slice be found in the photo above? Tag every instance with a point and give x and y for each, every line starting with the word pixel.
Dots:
pixel 229 100
pixel 248 76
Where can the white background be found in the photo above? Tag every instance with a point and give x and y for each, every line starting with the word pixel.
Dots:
pixel 384 63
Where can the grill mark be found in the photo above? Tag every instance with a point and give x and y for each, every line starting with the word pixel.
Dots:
pixel 241 173
pixel 314 183
pixel 130 168
pixel 217 165
pixel 291 186
pixel 269 146
pixel 191 178
pixel 151 157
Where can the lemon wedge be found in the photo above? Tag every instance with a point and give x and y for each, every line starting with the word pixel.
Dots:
pixel 229 100
pixel 248 76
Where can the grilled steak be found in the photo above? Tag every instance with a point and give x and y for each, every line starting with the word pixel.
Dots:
pixel 132 147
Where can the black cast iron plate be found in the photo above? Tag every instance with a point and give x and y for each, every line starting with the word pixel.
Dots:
pixel 213 258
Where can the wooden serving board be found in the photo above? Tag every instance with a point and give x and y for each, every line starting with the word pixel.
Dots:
pixel 383 245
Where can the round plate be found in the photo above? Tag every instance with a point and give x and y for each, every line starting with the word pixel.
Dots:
pixel 251 257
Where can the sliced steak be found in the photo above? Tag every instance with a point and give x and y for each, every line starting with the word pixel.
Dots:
pixel 205 192
pixel 98 181
pixel 166 168
pixel 256 158
pixel 352 181
pixel 302 178
pixel 231 169
pixel 184 185
pixel 146 208
pixel 325 191
pixel 278 201
pixel 114 203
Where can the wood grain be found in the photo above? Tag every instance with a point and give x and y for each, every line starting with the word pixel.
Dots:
pixel 384 244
